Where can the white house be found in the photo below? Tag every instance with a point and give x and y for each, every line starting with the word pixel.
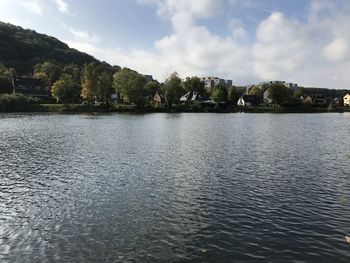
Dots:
pixel 247 101
pixel 346 100
pixel 191 96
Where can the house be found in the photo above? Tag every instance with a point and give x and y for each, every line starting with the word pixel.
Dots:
pixel 346 100
pixel 114 98
pixel 191 96
pixel 319 100
pixel 306 99
pixel 211 82
pixel 158 98
pixel 248 101
pixel 149 78
pixel 31 87
pixel 266 97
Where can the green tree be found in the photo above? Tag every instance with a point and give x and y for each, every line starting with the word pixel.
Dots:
pixel 74 71
pixel 43 77
pixel 219 94
pixel 105 87
pixel 257 92
pixel 5 80
pixel 5 84
pixel 233 95
pixel 151 88
pixel 66 89
pixel 130 85
pixel 195 84
pixel 278 93
pixel 89 83
pixel 173 89
pixel 52 71
pixel 299 93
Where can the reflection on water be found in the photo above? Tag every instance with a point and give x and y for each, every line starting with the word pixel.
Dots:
pixel 174 188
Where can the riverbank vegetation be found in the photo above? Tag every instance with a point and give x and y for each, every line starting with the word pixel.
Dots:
pixel 76 82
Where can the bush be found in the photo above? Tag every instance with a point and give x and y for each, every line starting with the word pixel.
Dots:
pixel 11 102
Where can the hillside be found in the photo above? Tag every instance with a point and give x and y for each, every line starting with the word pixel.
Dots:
pixel 22 49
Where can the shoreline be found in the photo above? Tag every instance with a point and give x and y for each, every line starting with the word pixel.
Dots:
pixel 182 108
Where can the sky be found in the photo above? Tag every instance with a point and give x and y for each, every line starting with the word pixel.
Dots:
pixel 249 41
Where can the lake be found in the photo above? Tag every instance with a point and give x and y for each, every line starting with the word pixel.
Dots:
pixel 175 188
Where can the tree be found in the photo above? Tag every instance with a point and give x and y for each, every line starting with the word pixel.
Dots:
pixel 43 77
pixel 5 84
pixel 278 93
pixel 299 93
pixel 52 71
pixel 66 89
pixel 105 87
pixel 233 95
pixel 257 92
pixel 130 85
pixel 89 83
pixel 219 94
pixel 195 84
pixel 151 88
pixel 173 89
pixel 5 80
pixel 74 71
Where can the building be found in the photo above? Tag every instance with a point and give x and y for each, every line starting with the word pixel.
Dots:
pixel 149 78
pixel 248 101
pixel 211 82
pixel 114 98
pixel 158 98
pixel 191 96
pixel 307 99
pixel 346 100
pixel 319 100
pixel 266 97
pixel 291 86
pixel 31 87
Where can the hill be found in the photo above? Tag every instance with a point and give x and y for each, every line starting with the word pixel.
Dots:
pixel 22 49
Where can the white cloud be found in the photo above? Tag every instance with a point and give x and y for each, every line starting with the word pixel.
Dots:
pixel 336 50
pixel 190 49
pixel 281 47
pixel 84 36
pixel 33 7
pixel 237 28
pixel 62 6
pixel 312 52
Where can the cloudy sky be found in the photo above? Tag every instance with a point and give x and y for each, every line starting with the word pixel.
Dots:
pixel 302 41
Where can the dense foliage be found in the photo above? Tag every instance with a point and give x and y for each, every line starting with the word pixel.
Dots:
pixel 10 102
pixel 23 49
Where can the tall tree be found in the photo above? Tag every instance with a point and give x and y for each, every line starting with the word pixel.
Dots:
pixel 130 85
pixel 195 84
pixel 219 94
pixel 105 87
pixel 233 95
pixel 257 92
pixel 151 88
pixel 43 77
pixel 278 93
pixel 5 80
pixel 52 71
pixel 66 89
pixel 173 89
pixel 89 83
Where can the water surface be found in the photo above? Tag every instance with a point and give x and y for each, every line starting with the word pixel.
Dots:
pixel 175 188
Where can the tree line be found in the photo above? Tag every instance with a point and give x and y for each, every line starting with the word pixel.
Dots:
pixel 95 83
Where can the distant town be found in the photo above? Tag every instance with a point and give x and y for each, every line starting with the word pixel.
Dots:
pixel 95 87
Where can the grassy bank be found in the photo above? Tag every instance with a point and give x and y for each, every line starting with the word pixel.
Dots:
pixel 15 103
